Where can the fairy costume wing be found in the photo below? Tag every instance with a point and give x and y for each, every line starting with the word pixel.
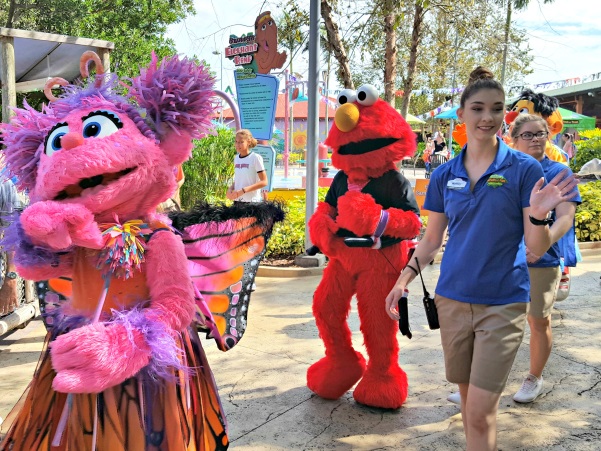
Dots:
pixel 224 246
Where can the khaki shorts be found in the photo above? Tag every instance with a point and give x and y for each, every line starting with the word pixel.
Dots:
pixel 543 290
pixel 480 341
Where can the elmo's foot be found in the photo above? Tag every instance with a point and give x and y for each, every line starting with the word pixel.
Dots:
pixel 385 390
pixel 331 377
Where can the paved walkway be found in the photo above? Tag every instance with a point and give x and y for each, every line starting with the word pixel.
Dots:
pixel 262 380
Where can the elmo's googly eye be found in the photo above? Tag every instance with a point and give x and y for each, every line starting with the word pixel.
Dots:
pixel 346 96
pixel 367 95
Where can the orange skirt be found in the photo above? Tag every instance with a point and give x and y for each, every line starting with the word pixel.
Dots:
pixel 139 414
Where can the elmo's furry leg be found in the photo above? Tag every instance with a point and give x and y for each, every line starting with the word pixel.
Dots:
pixel 342 366
pixel 384 383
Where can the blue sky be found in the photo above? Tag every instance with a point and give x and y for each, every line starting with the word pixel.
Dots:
pixel 565 36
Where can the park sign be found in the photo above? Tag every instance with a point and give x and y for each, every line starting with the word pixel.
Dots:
pixel 257 100
pixel 257 91
pixel 257 53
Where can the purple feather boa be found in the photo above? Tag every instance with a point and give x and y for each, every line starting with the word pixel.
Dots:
pixel 177 95
pixel 59 324
pixel 165 354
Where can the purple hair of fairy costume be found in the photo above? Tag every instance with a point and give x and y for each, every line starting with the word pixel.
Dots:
pixel 175 96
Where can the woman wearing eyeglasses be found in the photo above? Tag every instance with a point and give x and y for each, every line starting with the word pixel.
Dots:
pixel 529 135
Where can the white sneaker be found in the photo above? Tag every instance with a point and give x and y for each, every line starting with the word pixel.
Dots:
pixel 531 388
pixel 455 398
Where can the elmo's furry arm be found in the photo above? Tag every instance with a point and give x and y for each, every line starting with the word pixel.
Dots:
pixel 359 213
pixel 101 355
pixel 323 228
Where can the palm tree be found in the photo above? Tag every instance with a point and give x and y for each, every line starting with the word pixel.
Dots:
pixel 518 5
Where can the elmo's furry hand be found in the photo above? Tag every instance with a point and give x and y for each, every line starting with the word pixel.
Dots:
pixel 323 228
pixel 359 213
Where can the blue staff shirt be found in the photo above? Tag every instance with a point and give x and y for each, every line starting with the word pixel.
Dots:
pixel 552 257
pixel 485 259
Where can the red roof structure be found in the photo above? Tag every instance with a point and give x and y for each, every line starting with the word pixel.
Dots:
pixel 299 109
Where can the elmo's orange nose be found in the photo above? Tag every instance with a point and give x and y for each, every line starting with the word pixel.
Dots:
pixel 347 117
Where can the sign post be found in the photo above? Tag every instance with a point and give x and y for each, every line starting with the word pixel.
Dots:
pixel 268 155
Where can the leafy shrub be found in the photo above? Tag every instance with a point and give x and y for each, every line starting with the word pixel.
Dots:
pixel 587 149
pixel 419 163
pixel 211 168
pixel 288 238
pixel 420 149
pixel 588 213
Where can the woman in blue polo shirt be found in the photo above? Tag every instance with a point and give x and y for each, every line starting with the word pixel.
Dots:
pixel 529 134
pixel 493 201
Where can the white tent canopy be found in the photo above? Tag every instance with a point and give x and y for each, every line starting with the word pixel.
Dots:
pixel 29 58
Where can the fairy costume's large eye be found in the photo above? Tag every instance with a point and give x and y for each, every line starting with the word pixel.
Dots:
pixel 99 124
pixel 53 140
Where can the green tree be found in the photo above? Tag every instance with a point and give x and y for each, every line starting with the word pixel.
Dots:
pixel 136 27
pixel 292 28
pixel 336 43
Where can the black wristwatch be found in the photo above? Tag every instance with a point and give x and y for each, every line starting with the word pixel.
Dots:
pixel 540 222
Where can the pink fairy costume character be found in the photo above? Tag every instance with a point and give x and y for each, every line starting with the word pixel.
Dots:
pixel 123 347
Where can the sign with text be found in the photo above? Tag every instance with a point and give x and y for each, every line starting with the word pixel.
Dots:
pixel 421 186
pixel 242 50
pixel 257 100
pixel 257 53
pixel 268 155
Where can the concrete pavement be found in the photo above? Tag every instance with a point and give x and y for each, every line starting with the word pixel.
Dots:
pixel 269 407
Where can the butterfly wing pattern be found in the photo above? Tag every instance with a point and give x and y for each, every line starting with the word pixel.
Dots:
pixel 224 246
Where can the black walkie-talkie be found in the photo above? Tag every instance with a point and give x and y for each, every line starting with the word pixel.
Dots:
pixel 404 315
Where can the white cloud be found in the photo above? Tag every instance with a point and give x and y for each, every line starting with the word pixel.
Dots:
pixel 565 38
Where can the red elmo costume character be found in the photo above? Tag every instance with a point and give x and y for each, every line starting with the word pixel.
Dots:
pixel 369 199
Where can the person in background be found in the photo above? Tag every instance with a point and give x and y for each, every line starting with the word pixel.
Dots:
pixel 249 171
pixel 482 306
pixel 568 137
pixel 440 145
pixel 427 156
pixel 529 135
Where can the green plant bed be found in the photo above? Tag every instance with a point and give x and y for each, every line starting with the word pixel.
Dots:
pixel 288 237
pixel 587 149
pixel 588 213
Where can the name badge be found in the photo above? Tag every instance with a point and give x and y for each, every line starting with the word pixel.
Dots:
pixel 456 184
